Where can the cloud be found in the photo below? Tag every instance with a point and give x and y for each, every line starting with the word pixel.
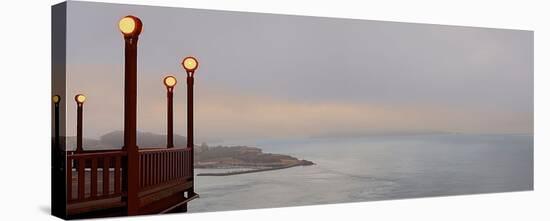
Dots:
pixel 223 112
pixel 230 114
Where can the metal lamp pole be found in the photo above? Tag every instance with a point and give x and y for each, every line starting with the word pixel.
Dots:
pixel 79 98
pixel 170 82
pixel 56 99
pixel 131 27
pixel 190 64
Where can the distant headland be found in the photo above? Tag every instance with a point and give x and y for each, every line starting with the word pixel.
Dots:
pixel 238 157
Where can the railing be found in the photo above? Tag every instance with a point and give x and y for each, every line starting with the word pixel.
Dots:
pixel 98 175
pixel 86 167
pixel 159 166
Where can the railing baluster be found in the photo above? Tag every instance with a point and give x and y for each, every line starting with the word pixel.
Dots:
pixel 163 170
pixel 149 169
pixel 117 175
pixel 184 154
pixel 157 165
pixel 185 166
pixel 182 165
pixel 81 179
pixel 140 165
pixel 185 159
pixel 156 168
pixel 159 156
pixel 170 167
pixel 176 161
pixel 162 161
pixel 175 164
pixel 153 165
pixel 93 179
pixel 144 169
pixel 167 165
pixel 69 179
pixel 189 163
pixel 106 173
pixel 164 167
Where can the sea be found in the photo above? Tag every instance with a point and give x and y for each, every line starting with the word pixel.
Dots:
pixel 373 168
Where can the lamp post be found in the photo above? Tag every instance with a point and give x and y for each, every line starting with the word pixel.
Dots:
pixel 131 27
pixel 190 64
pixel 170 82
pixel 79 98
pixel 58 162
pixel 56 99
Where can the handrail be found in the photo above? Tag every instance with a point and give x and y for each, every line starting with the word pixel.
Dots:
pixel 93 151
pixel 98 154
pixel 174 149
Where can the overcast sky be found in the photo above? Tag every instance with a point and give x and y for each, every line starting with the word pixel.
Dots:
pixel 274 76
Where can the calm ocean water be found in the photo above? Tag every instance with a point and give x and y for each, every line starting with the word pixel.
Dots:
pixel 375 168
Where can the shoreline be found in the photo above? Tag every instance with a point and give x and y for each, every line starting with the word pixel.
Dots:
pixel 252 171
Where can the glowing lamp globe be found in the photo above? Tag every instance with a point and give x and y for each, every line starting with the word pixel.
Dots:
pixel 170 81
pixel 190 64
pixel 56 99
pixel 130 26
pixel 80 98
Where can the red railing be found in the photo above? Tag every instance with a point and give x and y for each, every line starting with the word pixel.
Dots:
pixel 94 169
pixel 85 167
pixel 159 166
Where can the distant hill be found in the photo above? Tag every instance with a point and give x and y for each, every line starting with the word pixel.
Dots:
pixel 114 140
pixel 144 139
pixel 242 157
